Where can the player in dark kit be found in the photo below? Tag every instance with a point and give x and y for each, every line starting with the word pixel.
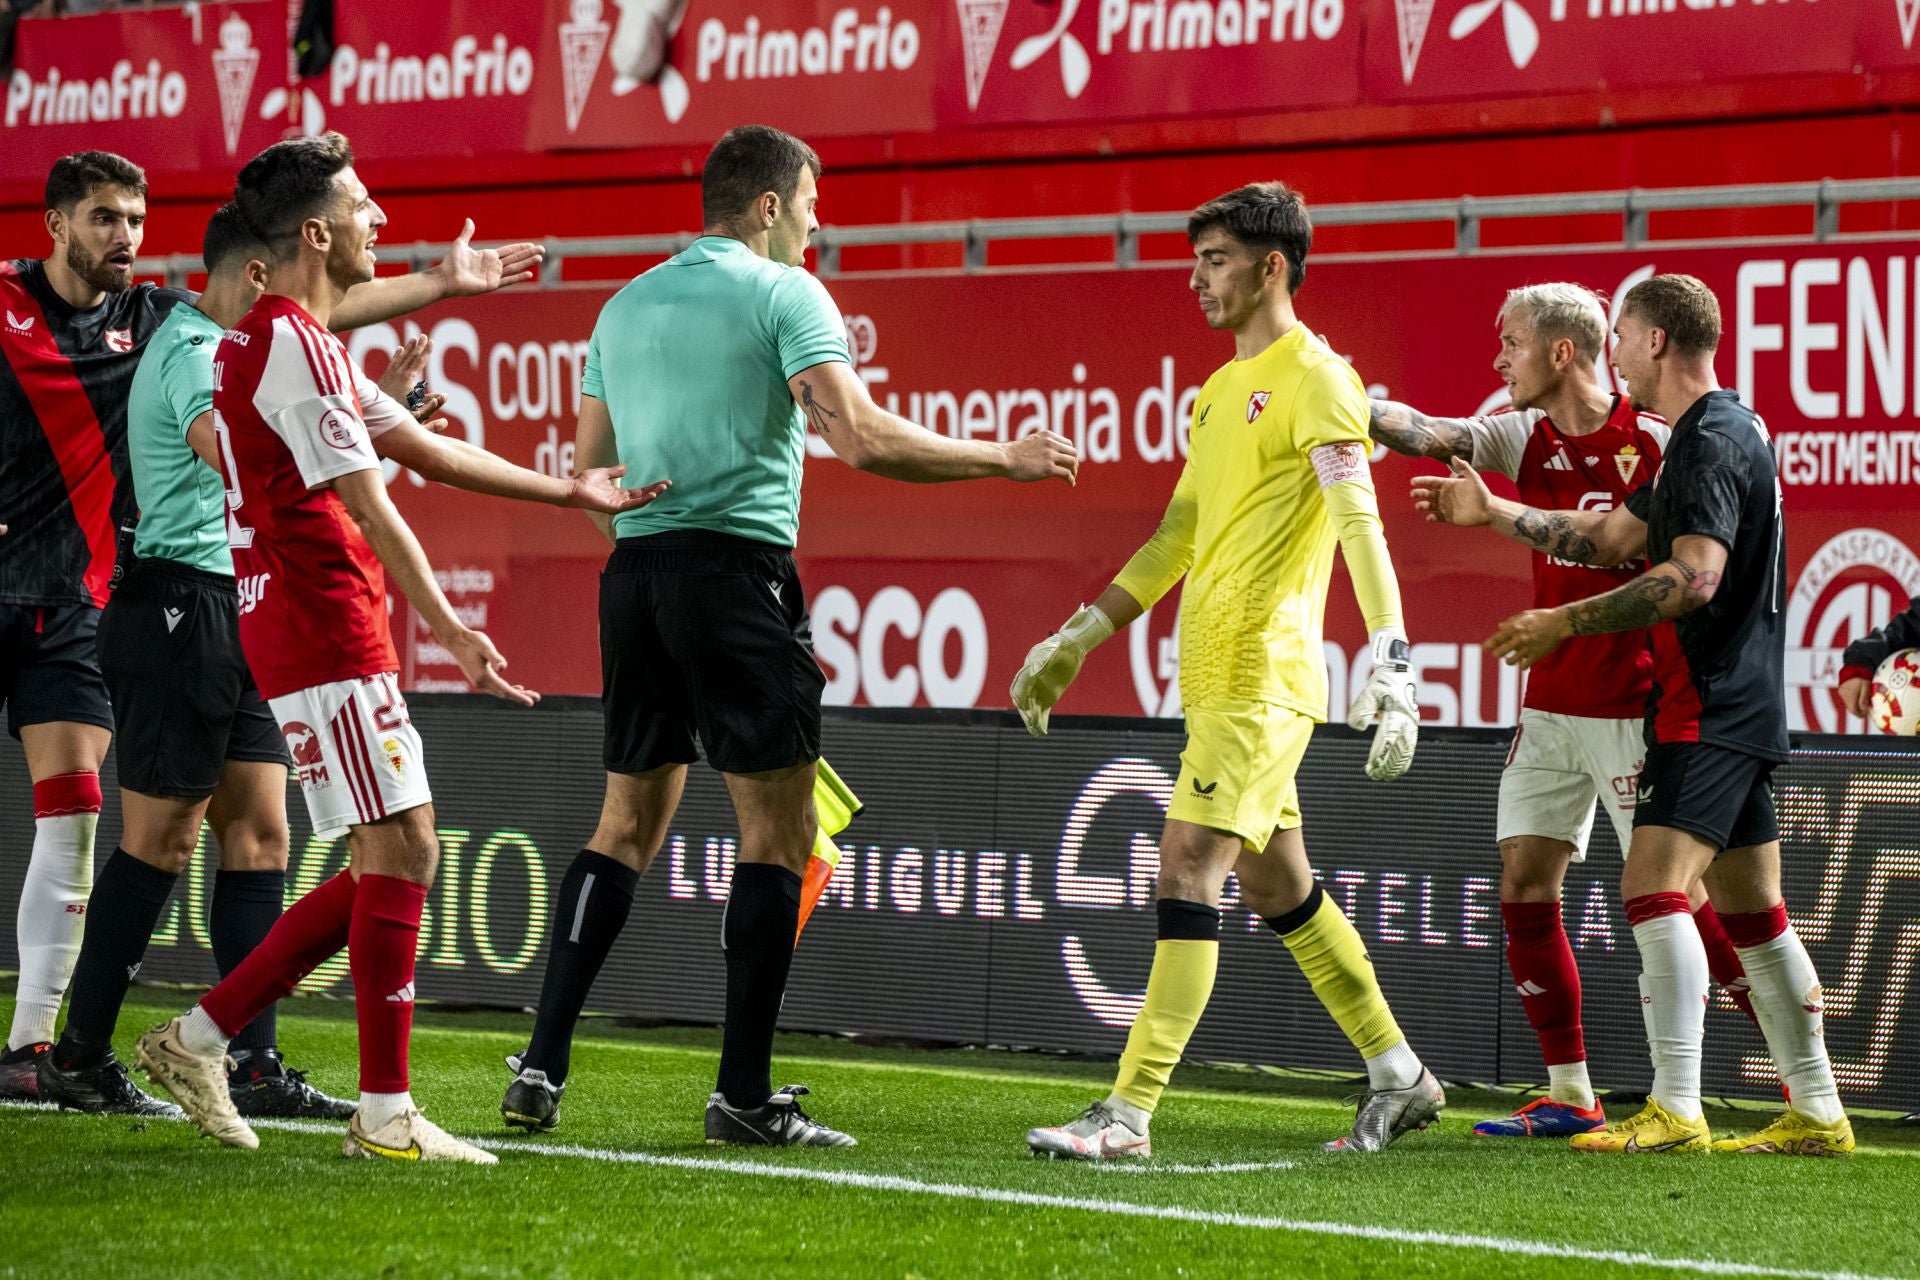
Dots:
pixel 1710 524
pixel 71 333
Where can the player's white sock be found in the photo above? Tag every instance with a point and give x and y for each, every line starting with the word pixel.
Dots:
pixel 1397 1068
pixel 1568 1082
pixel 1135 1118
pixel 200 1035
pixel 1673 1002
pixel 53 901
pixel 378 1108
pixel 1786 996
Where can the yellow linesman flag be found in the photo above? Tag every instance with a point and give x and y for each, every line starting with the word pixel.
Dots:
pixel 836 806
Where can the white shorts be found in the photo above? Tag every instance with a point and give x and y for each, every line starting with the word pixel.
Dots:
pixel 1556 768
pixel 355 751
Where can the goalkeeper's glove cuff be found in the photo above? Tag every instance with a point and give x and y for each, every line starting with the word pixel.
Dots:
pixel 1088 627
pixel 1390 648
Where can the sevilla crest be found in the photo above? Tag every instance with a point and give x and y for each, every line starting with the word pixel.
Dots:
pixel 1257 404
pixel 120 340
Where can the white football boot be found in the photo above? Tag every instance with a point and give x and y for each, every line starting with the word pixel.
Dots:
pixel 1098 1134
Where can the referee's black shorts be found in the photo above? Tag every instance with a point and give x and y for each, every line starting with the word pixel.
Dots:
pixel 184 701
pixel 706 635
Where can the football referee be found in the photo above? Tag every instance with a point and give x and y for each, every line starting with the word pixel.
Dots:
pixel 711 367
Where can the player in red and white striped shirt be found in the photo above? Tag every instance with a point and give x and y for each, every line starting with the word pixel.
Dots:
pixel 1569 444
pixel 314 535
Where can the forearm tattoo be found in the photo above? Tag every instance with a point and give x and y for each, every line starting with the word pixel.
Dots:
pixel 1404 429
pixel 1630 608
pixel 817 414
pixel 1553 532
pixel 1651 598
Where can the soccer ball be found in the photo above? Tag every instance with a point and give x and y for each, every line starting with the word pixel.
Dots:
pixel 1895 704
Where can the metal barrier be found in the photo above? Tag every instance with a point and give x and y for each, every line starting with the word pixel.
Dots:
pixel 1467 214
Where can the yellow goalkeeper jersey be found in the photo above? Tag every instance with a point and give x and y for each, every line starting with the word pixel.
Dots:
pixel 1248 525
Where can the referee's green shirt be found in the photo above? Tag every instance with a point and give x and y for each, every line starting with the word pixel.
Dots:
pixel 692 360
pixel 183 501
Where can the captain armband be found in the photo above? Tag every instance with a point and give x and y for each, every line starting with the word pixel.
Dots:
pixel 1340 463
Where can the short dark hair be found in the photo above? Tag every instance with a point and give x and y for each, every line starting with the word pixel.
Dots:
pixel 1264 216
pixel 747 162
pixel 227 236
pixel 1680 306
pixel 288 183
pixel 73 178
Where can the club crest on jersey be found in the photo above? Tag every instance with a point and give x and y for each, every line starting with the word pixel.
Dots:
pixel 119 340
pixel 1627 461
pixel 1257 404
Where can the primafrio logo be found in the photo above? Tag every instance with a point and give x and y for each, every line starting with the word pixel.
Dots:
pixel 1855 582
pixel 235 63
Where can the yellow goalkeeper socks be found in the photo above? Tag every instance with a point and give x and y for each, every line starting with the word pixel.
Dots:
pixel 1330 952
pixel 1184 962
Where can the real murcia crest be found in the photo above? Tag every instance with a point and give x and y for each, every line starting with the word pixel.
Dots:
pixel 980 23
pixel 582 42
pixel 1627 462
pixel 234 65
pixel 1413 17
pixel 1909 11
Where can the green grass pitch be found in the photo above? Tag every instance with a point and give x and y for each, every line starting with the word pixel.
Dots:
pixel 941 1185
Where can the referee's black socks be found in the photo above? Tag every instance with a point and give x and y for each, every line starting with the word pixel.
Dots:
pixel 596 896
pixel 128 897
pixel 245 907
pixel 763 913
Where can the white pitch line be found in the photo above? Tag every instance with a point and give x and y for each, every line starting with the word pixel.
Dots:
pixel 1120 1208
pixel 1130 1209
pixel 1148 1166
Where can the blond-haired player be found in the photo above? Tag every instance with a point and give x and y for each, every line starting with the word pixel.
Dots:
pixel 1276 473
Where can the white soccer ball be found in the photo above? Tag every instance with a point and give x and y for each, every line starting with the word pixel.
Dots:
pixel 1895 703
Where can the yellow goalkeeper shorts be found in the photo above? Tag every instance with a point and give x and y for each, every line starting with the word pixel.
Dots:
pixel 1237 773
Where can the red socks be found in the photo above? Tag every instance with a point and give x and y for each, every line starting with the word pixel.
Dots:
pixel 380 948
pixel 311 930
pixel 1723 962
pixel 1541 960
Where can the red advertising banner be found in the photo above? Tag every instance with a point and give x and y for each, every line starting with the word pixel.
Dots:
pixel 187 89
pixel 931 595
pixel 178 88
pixel 1432 49
pixel 1090 60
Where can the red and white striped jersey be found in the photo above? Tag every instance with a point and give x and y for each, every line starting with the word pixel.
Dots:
pixel 1605 676
pixel 293 414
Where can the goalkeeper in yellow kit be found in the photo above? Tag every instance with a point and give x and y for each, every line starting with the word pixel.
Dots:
pixel 1276 472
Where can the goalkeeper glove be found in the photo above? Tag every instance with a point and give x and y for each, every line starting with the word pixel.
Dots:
pixel 1391 694
pixel 1052 664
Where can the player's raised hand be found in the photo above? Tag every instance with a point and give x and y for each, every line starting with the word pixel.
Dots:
pixel 598 489
pixel 482 664
pixel 1043 456
pixel 1461 498
pixel 404 372
pixel 1392 698
pixel 1527 637
pixel 466 270
pixel 1052 664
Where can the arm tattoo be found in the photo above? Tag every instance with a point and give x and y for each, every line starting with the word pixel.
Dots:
pixel 1698 584
pixel 817 414
pixel 1553 533
pixel 1636 605
pixel 1404 429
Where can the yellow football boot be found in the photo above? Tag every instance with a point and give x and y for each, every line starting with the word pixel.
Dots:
pixel 1794 1135
pixel 1655 1131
